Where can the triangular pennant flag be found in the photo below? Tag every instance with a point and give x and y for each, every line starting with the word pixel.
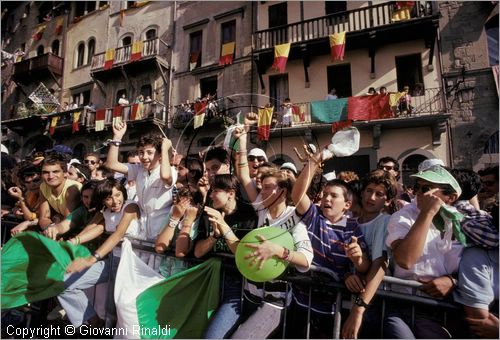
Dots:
pixel 117 114
pixel 137 110
pixel 99 119
pixel 227 54
pixel 193 60
pixel 109 58
pixel 280 57
pixel 53 124
pixel 337 45
pixel 39 32
pixel 264 123
pixel 76 121
pixel 137 50
pixel 59 26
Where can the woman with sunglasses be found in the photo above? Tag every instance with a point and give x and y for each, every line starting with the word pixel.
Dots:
pixel 91 161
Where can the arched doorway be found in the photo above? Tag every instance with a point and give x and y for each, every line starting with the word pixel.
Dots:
pixel 410 167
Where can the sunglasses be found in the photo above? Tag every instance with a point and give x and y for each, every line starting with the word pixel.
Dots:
pixel 385 167
pixel 258 158
pixel 488 183
pixel 89 161
pixel 426 188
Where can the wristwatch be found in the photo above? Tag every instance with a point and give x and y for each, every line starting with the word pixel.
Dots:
pixel 359 301
pixel 97 256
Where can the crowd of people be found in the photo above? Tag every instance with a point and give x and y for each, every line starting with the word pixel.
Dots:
pixel 443 231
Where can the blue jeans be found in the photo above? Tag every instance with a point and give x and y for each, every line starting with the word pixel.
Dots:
pixel 74 300
pixel 226 319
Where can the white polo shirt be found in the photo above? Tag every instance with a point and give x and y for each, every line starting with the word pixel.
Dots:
pixel 154 197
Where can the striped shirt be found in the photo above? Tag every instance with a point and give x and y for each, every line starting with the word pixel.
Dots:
pixel 478 226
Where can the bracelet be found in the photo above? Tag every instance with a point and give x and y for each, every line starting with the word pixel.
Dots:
pixel 230 231
pixel 97 256
pixel 77 238
pixel 173 223
pixel 115 142
pixel 453 280
pixel 241 165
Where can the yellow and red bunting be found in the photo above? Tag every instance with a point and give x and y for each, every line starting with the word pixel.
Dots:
pixel 109 58
pixel 199 115
pixel 227 53
pixel 193 60
pixel 39 32
pixel 117 114
pixel 337 45
pixel 53 124
pixel 137 110
pixel 76 121
pixel 99 119
pixel 264 123
pixel 402 10
pixel 59 26
pixel 298 113
pixel 281 57
pixel 137 50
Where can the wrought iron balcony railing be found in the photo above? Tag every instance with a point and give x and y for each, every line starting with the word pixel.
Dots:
pixel 47 61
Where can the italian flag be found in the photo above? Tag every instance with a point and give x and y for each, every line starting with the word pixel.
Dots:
pixel 337 45
pixel 152 307
pixel 109 58
pixel 280 57
pixel 137 50
pixel 227 54
pixel 264 123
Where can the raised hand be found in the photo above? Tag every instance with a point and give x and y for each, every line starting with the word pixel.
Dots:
pixel 119 129
pixel 262 251
pixel 16 192
pixel 353 251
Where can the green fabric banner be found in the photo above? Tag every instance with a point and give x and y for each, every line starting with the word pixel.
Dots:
pixel 33 268
pixel 180 306
pixel 329 111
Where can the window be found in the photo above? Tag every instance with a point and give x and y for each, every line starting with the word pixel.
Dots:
pixel 208 86
pixel 491 145
pixel 39 50
pixel 55 47
pixel 409 73
pixel 146 90
pixel 84 7
pixel 278 90
pixel 119 94
pixel 195 45
pixel 151 34
pixel 228 31
pixel 80 54
pixel 91 50
pixel 127 41
pixel 332 7
pixel 492 34
pixel 278 17
pixel 339 77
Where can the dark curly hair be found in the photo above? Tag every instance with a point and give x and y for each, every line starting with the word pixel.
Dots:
pixel 150 139
pixel 469 181
pixel 104 189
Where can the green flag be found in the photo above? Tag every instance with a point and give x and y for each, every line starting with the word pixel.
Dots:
pixel 329 111
pixel 33 268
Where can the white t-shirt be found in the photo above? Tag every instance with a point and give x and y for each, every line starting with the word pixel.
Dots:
pixel 154 197
pixel 112 219
pixel 440 256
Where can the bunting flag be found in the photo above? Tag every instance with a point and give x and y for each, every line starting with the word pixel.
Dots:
pixel 280 57
pixel 337 45
pixel 299 113
pixel 329 111
pixel 39 32
pixel 122 17
pixel 193 60
pixel 76 121
pixel 150 306
pixel 369 107
pixel 59 26
pixel 99 119
pixel 394 98
pixel 109 58
pixel 117 114
pixel 402 10
pixel 137 50
pixel 264 123
pixel 137 110
pixel 53 124
pixel 200 109
pixel 33 268
pixel 227 54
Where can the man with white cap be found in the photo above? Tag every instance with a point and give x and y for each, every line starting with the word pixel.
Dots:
pixel 255 158
pixel 290 169
pixel 420 237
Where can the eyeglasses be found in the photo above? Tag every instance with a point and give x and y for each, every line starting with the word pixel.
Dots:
pixel 426 188
pixel 386 167
pixel 258 158
pixel 89 161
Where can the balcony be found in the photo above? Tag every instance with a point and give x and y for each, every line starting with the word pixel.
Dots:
pixel 359 24
pixel 150 50
pixel 45 65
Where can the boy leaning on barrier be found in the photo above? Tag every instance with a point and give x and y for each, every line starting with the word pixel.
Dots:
pixel 378 189
pixel 424 253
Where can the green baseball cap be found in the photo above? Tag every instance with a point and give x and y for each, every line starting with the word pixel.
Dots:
pixel 438 175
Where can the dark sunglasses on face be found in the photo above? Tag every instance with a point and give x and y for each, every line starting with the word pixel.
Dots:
pixel 385 167
pixel 426 188
pixel 258 158
pixel 87 161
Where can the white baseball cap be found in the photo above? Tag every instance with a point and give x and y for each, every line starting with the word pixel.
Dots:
pixel 289 166
pixel 258 153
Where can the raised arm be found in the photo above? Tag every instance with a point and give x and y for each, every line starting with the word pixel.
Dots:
pixel 165 167
pixel 242 171
pixel 112 162
pixel 299 191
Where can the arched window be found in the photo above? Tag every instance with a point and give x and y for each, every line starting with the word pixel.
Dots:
pixel 410 167
pixel 39 50
pixel 126 41
pixel 55 47
pixel 151 34
pixel 80 54
pixel 91 50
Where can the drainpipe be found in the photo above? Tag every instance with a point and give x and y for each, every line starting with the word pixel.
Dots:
pixel 252 68
pixel 171 72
